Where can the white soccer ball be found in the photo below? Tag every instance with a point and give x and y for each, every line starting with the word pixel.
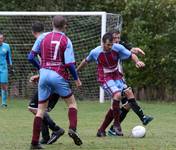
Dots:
pixel 138 131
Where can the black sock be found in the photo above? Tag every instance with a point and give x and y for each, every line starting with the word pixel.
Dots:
pixel 123 113
pixel 136 108
pixel 51 124
pixel 45 131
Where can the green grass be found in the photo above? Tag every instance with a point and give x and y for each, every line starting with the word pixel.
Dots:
pixel 16 127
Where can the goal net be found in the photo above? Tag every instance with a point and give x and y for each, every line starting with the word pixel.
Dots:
pixel 85 29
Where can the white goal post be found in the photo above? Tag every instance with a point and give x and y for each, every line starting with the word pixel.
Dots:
pixel 115 21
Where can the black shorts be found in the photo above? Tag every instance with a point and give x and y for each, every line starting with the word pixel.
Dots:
pixel 53 99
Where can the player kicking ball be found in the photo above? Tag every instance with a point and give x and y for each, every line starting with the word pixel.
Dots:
pixel 126 106
pixel 111 80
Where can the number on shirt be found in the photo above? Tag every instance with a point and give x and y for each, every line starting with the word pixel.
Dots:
pixel 57 44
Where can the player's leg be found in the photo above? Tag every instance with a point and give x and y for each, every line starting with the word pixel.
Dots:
pixel 113 113
pixel 116 114
pixel 53 99
pixel 37 124
pixel 4 87
pixel 32 107
pixel 72 115
pixel 44 89
pixel 124 109
pixel 136 108
pixel 45 133
pixel 107 120
pixel 4 94
pixel 47 120
pixel 123 112
pixel 33 103
pixel 57 131
pixel 63 89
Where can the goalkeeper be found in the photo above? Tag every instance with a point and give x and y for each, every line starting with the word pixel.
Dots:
pixel 5 58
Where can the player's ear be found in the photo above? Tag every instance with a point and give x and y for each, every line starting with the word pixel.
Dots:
pixel 65 27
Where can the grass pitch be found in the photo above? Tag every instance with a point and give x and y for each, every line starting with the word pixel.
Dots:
pixel 16 127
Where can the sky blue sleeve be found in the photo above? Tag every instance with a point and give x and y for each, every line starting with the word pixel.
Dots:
pixel 36 50
pixel 69 53
pixel 9 56
pixel 90 57
pixel 94 54
pixel 36 46
pixel 123 52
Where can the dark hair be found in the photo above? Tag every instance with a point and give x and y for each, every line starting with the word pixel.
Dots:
pixel 115 31
pixel 59 22
pixel 37 27
pixel 1 33
pixel 107 36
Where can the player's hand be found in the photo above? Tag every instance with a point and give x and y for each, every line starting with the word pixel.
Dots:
pixel 140 64
pixel 137 50
pixel 12 71
pixel 34 79
pixel 78 83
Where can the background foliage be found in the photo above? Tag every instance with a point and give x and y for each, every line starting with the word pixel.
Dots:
pixel 149 24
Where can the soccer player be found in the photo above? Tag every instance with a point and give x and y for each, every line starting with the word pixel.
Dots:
pixel 5 59
pixel 57 56
pixel 125 105
pixel 109 77
pixel 37 31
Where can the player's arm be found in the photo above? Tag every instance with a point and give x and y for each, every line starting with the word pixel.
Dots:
pixel 134 50
pixel 9 60
pixel 74 74
pixel 126 45
pixel 9 56
pixel 139 64
pixel 126 54
pixel 70 63
pixel 85 61
pixel 82 65
pixel 34 79
pixel 32 56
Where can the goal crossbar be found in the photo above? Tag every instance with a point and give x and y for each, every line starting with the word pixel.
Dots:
pixel 103 19
pixel 38 13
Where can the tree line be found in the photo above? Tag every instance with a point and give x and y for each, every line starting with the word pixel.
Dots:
pixel 148 24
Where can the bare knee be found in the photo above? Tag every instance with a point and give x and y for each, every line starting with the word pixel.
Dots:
pixel 129 93
pixel 42 108
pixel 117 96
pixel 71 102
